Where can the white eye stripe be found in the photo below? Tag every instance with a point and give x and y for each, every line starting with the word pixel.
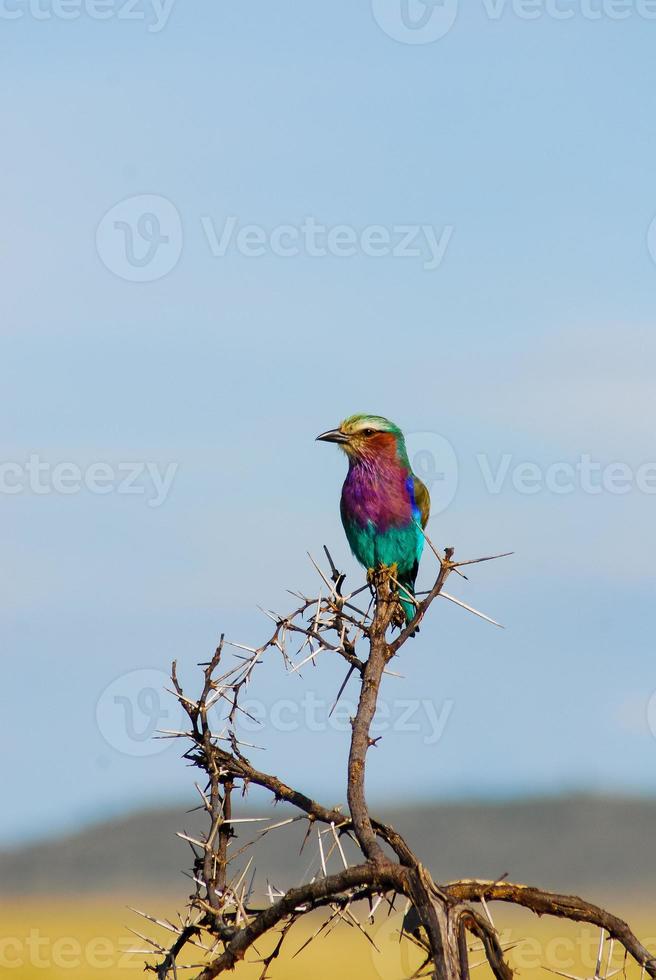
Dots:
pixel 368 424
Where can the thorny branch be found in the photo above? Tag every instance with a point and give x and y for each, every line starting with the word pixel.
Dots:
pixel 562 906
pixel 221 921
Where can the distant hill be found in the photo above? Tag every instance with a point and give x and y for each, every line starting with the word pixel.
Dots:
pixel 580 844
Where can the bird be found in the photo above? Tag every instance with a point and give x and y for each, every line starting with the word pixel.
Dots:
pixel 384 505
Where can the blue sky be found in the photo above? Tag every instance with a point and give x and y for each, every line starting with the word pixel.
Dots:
pixel 530 145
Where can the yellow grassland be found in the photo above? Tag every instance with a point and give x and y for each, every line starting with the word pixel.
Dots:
pixel 88 938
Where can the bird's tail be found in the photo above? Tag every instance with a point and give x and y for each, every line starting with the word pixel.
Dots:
pixel 409 608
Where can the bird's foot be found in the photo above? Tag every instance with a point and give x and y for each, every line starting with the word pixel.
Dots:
pixel 382 573
pixel 398 616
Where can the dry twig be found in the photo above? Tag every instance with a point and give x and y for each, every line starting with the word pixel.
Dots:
pixel 441 916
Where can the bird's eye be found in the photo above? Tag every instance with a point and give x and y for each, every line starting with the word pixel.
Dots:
pixel 368 432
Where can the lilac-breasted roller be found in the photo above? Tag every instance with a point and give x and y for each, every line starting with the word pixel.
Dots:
pixel 384 506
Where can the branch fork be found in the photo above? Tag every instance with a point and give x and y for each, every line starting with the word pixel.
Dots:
pixel 221 918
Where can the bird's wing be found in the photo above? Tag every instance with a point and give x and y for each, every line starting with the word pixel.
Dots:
pixel 422 498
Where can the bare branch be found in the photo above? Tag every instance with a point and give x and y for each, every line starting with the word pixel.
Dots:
pixel 357 882
pixel 562 906
pixel 439 917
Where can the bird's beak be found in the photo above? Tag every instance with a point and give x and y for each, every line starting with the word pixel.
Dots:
pixel 333 435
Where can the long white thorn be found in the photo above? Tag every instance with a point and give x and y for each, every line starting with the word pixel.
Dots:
pixel 330 584
pixel 323 860
pixel 463 605
pixel 477 561
pixel 600 955
pixel 339 845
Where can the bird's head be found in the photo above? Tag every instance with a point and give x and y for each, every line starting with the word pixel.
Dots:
pixel 367 437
